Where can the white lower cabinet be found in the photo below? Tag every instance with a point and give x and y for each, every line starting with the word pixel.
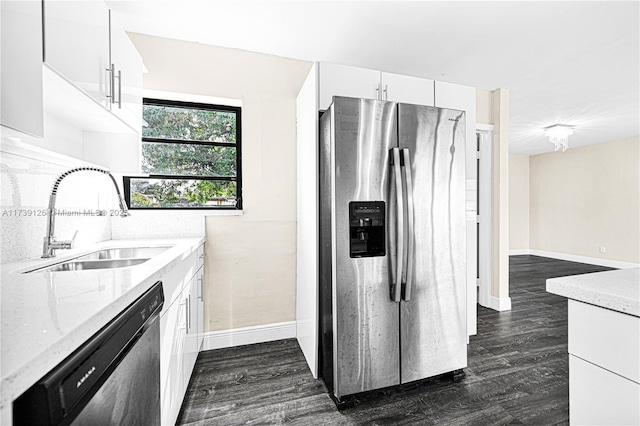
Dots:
pixel 192 343
pixel 180 333
pixel 172 344
pixel 604 366
pixel 199 305
pixel 599 397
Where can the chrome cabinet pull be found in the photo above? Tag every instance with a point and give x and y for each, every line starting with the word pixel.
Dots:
pixel 112 83
pixel 188 313
pixel 386 93
pixel 410 223
pixel 184 302
pixel 396 287
pixel 119 77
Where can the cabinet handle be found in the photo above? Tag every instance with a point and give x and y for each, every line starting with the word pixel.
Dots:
pixel 201 296
pixel 112 82
pixel 184 302
pixel 378 91
pixel 119 77
pixel 386 93
pixel 186 314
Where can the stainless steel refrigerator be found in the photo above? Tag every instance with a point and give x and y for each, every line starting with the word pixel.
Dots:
pixel 392 244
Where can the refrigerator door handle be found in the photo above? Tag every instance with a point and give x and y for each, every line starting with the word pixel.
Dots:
pixel 410 222
pixel 396 287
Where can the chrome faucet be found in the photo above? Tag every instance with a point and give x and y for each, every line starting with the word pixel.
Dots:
pixel 50 243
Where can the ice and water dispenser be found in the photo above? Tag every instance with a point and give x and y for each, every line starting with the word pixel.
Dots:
pixel 367 228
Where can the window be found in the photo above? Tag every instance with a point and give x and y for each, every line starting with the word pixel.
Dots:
pixel 191 155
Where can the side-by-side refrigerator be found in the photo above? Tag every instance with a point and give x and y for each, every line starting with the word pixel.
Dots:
pixel 392 244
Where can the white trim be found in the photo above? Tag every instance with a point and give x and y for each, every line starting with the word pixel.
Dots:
pixel 575 258
pixel 190 97
pixel 484 211
pixel 482 127
pixel 584 259
pixel 500 303
pixel 248 335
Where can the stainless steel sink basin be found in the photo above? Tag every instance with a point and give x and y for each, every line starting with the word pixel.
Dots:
pixel 117 257
pixel 124 253
pixel 79 265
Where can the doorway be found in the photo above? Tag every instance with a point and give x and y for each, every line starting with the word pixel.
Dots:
pixel 484 155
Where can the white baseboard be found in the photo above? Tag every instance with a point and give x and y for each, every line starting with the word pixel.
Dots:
pixel 575 258
pixel 500 303
pixel 248 335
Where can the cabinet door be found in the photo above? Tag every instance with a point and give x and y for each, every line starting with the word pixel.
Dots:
pixel 172 345
pixel 407 89
pixel 76 44
pixel 200 306
pixel 128 83
pixel 343 80
pixel 200 298
pixel 190 296
pixel 21 67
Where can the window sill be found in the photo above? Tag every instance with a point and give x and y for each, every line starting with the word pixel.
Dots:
pixel 186 212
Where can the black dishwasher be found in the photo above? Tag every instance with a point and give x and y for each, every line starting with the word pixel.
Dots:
pixel 112 379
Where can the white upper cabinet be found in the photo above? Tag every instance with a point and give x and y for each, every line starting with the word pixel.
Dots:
pixel 354 82
pixel 343 80
pixel 21 102
pixel 128 70
pixel 87 48
pixel 407 89
pixel 76 45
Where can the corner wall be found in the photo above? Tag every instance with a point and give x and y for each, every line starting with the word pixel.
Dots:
pixel 586 198
pixel 250 262
pixel 500 199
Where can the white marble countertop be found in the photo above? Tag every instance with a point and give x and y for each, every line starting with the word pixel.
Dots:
pixel 617 290
pixel 45 316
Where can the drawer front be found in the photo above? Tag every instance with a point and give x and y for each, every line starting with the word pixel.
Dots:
pixel 600 397
pixel 606 338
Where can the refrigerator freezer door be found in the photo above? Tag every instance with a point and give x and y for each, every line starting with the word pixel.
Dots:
pixel 433 322
pixel 366 320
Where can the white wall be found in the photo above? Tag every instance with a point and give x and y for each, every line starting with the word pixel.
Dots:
pixel 250 259
pixel 586 198
pixel 28 174
pixel 518 202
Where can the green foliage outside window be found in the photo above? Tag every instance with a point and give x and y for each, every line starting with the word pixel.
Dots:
pixel 187 141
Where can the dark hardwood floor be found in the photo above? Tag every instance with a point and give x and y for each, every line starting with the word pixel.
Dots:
pixel 517 372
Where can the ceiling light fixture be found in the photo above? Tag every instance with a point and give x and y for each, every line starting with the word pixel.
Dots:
pixel 559 135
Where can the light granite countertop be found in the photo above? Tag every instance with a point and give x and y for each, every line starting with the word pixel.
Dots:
pixel 617 290
pixel 47 315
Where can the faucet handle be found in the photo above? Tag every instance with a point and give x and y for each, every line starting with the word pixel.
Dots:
pixel 72 243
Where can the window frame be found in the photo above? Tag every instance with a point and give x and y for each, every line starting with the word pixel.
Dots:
pixel 237 145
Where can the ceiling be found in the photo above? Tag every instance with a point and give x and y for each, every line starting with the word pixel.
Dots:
pixel 574 62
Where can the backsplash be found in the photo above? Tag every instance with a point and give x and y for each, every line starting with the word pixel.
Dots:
pixel 27 176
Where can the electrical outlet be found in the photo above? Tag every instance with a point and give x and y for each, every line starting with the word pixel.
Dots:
pixel 603 249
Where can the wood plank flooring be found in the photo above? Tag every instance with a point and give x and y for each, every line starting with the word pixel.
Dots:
pixel 517 372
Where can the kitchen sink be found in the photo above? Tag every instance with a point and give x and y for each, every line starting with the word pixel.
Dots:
pixel 109 258
pixel 79 265
pixel 124 253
